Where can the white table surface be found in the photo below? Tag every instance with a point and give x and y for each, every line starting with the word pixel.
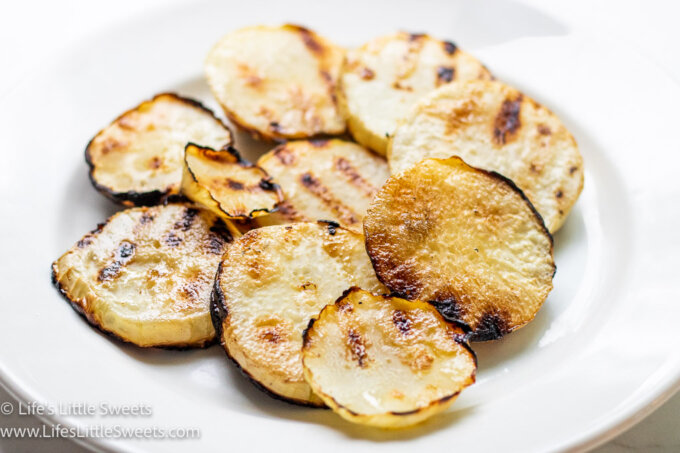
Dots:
pixel 31 29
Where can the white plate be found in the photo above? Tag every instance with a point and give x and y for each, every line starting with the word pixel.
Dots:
pixel 601 353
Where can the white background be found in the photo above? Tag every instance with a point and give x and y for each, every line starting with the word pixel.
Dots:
pixel 32 30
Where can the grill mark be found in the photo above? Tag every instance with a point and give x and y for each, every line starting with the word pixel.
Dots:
pixel 235 185
pixel 366 73
pixel 155 163
pixel 544 130
pixel 507 121
pixel 172 240
pixel 449 47
pixel 188 217
pixel 357 347
pixel 314 186
pixel 310 41
pixel 122 256
pixel 218 237
pixel 402 322
pixel 354 177
pixel 445 74
pixel 285 156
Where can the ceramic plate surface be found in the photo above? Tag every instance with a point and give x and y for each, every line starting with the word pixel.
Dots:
pixel 600 355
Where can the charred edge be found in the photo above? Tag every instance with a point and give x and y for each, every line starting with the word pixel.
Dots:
pixel 214 154
pixel 401 321
pixel 491 327
pixel 218 306
pixel 331 225
pixel 507 121
pixel 451 312
pixel 267 184
pixel 258 385
pixel 92 322
pixel 276 127
pixel 305 333
pixel 514 187
pixel 416 36
pixel 345 293
pixel 445 74
pixel 449 47
pixel 122 256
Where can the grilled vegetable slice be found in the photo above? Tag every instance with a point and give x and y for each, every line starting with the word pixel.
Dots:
pixel 466 240
pixel 324 179
pixel 495 127
pixel 272 281
pixel 384 361
pixel 146 275
pixel 382 79
pixel 138 159
pixel 224 183
pixel 277 82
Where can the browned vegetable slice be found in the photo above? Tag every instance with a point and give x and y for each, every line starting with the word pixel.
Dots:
pixel 324 180
pixel 271 282
pixel 493 126
pixel 464 239
pixel 138 159
pixel 145 276
pixel 382 79
pixel 384 361
pixel 227 185
pixel 277 82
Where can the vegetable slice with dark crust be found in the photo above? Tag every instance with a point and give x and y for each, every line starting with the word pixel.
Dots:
pixel 227 185
pixel 271 282
pixel 137 160
pixel 384 361
pixel 145 276
pixel 464 239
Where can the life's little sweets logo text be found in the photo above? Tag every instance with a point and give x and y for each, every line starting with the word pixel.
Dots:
pixel 77 409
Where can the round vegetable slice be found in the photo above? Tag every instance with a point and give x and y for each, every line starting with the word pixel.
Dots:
pixel 145 276
pixel 382 79
pixel 272 281
pixel 324 179
pixel 495 127
pixel 224 183
pixel 277 82
pixel 464 239
pixel 138 159
pixel 384 361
